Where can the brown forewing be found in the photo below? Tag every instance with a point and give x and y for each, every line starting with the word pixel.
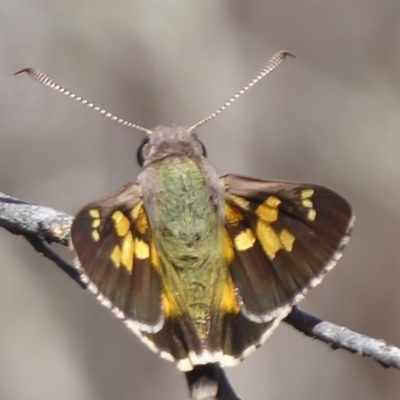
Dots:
pixel 114 249
pixel 297 234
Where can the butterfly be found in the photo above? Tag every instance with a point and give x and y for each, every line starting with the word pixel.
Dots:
pixel 202 267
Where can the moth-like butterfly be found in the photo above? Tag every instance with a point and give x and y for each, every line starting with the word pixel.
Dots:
pixel 204 267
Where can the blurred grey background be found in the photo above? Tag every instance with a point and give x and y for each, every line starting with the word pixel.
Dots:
pixel 330 116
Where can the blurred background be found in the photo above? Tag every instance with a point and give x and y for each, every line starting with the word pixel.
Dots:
pixel 330 116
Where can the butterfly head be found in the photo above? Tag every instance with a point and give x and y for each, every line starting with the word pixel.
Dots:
pixel 165 142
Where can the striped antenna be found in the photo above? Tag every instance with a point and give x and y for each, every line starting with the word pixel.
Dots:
pixel 40 77
pixel 274 63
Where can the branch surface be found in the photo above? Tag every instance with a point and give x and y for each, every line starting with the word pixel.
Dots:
pixel 22 218
pixel 42 226
pixel 339 337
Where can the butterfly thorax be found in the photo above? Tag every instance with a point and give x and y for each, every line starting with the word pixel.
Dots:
pixel 186 227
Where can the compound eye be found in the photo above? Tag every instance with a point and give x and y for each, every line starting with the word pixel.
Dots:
pixel 201 148
pixel 143 152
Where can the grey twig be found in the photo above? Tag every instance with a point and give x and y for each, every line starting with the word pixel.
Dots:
pixel 39 226
pixel 339 337
pixel 41 246
pixel 43 225
pixel 22 218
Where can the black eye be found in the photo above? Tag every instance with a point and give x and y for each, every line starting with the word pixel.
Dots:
pixel 143 152
pixel 202 148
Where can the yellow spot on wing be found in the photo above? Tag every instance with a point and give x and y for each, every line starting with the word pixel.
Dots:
pixel 141 222
pixel 228 247
pixel 232 216
pixel 155 262
pixel 121 223
pixel 141 249
pixel 136 210
pixel 272 201
pixel 116 256
pixel 244 240
pixel 228 302
pixel 170 307
pixel 311 214
pixel 307 193
pixel 287 239
pixel 307 203
pixel 96 223
pixel 127 252
pixel 240 201
pixel 94 213
pixel 95 236
pixel 270 241
pixel 139 216
pixel 268 210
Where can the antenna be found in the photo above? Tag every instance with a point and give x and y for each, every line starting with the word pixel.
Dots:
pixel 42 78
pixel 273 63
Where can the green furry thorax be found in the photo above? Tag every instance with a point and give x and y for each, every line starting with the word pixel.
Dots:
pixel 185 219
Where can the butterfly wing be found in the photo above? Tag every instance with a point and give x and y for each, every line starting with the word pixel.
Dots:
pixel 279 241
pixel 284 238
pixel 112 240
